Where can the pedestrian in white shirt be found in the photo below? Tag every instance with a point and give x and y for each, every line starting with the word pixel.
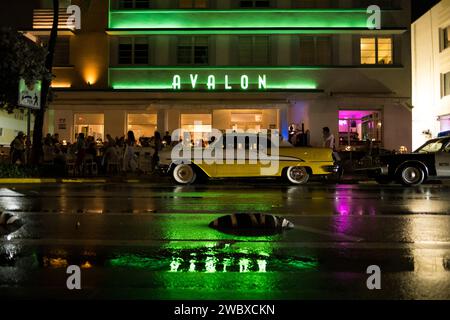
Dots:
pixel 328 139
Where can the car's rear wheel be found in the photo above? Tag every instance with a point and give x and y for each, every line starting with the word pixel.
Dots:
pixel 412 175
pixel 297 175
pixel 184 174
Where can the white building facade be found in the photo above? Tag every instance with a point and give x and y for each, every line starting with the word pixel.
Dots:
pixel 431 73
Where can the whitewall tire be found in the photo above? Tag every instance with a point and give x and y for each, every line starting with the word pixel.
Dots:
pixel 297 175
pixel 184 174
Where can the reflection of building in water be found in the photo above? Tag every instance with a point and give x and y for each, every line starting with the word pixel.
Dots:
pixel 213 264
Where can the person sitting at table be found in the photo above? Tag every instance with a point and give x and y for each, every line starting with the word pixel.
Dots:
pixel 48 150
pixel 167 139
pixel 91 147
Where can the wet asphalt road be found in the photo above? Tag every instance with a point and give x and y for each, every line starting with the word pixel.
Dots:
pixel 152 241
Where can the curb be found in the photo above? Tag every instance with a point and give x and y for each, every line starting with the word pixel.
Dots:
pixel 4 181
pixel 37 181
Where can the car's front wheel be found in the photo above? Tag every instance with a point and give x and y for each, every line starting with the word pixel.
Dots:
pixel 184 174
pixel 411 175
pixel 297 175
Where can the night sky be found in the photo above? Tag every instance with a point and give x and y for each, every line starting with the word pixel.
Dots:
pixel 419 7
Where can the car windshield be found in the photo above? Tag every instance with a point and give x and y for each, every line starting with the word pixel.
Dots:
pixel 431 146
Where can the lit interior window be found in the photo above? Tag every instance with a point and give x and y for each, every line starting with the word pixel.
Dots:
pixel 142 124
pixel 384 51
pixel 91 124
pixel 368 51
pixel 376 51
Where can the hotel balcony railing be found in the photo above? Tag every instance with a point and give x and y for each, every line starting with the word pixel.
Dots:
pixel 43 19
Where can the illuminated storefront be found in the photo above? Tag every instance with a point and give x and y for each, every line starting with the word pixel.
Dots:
pixel 197 125
pixel 358 128
pixel 142 124
pixel 90 124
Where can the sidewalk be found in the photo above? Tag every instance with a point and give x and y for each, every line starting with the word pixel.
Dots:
pixel 87 180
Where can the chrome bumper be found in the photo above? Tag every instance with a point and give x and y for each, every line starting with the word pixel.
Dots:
pixel 331 169
pixel 384 171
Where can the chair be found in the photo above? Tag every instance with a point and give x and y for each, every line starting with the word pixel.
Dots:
pixel 145 163
pixel 70 167
pixel 90 165
pixel 113 166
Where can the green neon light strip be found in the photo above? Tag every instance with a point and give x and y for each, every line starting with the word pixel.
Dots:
pixel 266 19
pixel 130 86
pixel 257 11
pixel 236 31
pixel 215 68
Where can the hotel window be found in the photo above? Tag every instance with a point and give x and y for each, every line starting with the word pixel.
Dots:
pixel 253 50
pixel 193 4
pixel 142 124
pixel 315 50
pixel 134 4
pixel 254 3
pixel 376 50
pixel 445 38
pixel 91 124
pixel 134 50
pixel 446 84
pixel 193 51
pixel 62 50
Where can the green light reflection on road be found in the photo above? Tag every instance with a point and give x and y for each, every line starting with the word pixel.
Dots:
pixel 201 272
pixel 175 227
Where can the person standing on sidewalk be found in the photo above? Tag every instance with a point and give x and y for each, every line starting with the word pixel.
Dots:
pixel 129 162
pixel 328 139
pixel 157 145
pixel 81 152
pixel 330 142
pixel 18 149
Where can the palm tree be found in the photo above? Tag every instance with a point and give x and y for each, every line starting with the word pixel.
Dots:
pixel 36 151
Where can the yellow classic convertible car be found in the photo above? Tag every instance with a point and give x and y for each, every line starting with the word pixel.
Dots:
pixel 246 155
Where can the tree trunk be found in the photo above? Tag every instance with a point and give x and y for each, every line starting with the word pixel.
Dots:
pixel 36 151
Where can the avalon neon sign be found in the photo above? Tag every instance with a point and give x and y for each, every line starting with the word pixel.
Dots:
pixel 242 82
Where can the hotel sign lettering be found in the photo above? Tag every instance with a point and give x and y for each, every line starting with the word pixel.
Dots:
pixel 226 82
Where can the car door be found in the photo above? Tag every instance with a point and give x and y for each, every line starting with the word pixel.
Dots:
pixel 443 161
pixel 245 166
